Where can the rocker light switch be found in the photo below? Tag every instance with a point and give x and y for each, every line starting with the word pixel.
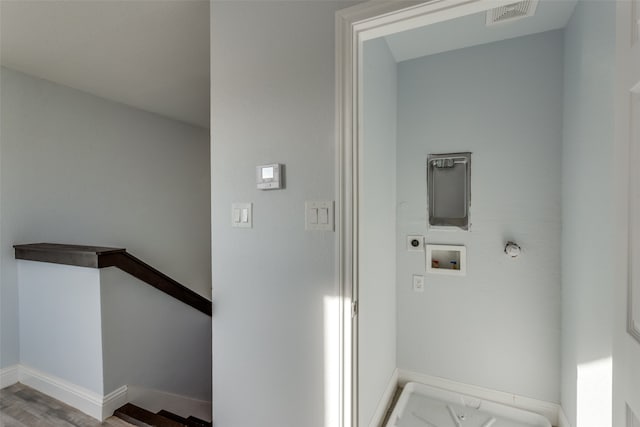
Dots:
pixel 323 216
pixel 319 215
pixel 313 216
pixel 241 215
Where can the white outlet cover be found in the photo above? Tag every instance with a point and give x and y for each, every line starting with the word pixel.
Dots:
pixel 418 283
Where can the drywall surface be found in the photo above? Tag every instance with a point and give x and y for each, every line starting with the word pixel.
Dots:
pixel 102 329
pixel 152 340
pixel 498 327
pixel 626 366
pixel 60 325
pixel 82 170
pixel 275 288
pixel 377 225
pixel 588 215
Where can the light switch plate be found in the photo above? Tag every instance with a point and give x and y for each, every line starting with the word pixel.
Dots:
pixel 319 215
pixel 242 215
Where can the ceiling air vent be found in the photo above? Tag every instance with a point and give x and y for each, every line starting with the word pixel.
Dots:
pixel 511 12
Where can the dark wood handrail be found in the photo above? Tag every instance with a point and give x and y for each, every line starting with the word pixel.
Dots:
pixel 100 257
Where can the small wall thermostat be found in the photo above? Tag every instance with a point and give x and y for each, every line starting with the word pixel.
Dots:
pixel 269 177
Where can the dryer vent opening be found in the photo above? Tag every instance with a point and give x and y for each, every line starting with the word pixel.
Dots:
pixel 511 12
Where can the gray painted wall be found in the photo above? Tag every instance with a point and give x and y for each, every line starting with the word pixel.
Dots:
pixel 498 327
pixel 60 322
pixel 626 367
pixel 273 101
pixel 79 169
pixel 152 340
pixel 377 229
pixel 588 213
pixel 102 329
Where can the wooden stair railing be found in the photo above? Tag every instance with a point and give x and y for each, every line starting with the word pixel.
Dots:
pixel 100 257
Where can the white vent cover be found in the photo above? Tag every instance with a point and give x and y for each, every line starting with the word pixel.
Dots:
pixel 511 12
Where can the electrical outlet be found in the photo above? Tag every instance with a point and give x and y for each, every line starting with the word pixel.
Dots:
pixel 418 283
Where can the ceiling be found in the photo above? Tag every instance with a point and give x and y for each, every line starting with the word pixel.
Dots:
pixel 472 30
pixel 149 54
pixel 154 55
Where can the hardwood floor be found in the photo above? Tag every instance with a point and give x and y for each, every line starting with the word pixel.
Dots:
pixel 22 406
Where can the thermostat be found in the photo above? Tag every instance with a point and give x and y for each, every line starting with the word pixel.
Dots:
pixel 269 177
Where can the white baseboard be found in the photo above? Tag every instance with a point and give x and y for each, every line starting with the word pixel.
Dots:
pixel 9 376
pixel 562 419
pixel 91 403
pixel 112 401
pixel 546 409
pixel 385 400
pixel 98 406
pixel 155 400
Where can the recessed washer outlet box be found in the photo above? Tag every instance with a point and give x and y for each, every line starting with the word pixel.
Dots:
pixel 447 259
pixel 511 12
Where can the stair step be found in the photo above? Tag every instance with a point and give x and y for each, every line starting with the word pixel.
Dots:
pixel 141 417
pixel 197 422
pixel 174 417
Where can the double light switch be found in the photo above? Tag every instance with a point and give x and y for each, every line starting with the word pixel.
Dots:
pixel 241 215
pixel 319 215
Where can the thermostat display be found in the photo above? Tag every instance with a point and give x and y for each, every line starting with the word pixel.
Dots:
pixel 267 173
pixel 268 177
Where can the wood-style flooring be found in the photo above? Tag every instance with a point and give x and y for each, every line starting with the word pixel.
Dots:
pixel 22 406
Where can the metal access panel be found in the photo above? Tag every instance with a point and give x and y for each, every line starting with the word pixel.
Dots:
pixel 449 190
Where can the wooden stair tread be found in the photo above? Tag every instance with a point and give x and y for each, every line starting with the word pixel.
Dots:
pixel 197 422
pixel 141 417
pixel 174 417
pixel 191 421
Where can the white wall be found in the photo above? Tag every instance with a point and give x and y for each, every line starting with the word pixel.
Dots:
pixel 273 101
pixel 626 367
pixel 498 327
pixel 377 230
pixel 588 215
pixel 152 340
pixel 103 329
pixel 60 322
pixel 79 169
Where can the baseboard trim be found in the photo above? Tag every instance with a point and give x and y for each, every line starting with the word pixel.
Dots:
pixel 563 421
pixel 114 400
pixel 385 400
pixel 98 406
pixel 546 409
pixel 91 403
pixel 155 400
pixel 9 376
